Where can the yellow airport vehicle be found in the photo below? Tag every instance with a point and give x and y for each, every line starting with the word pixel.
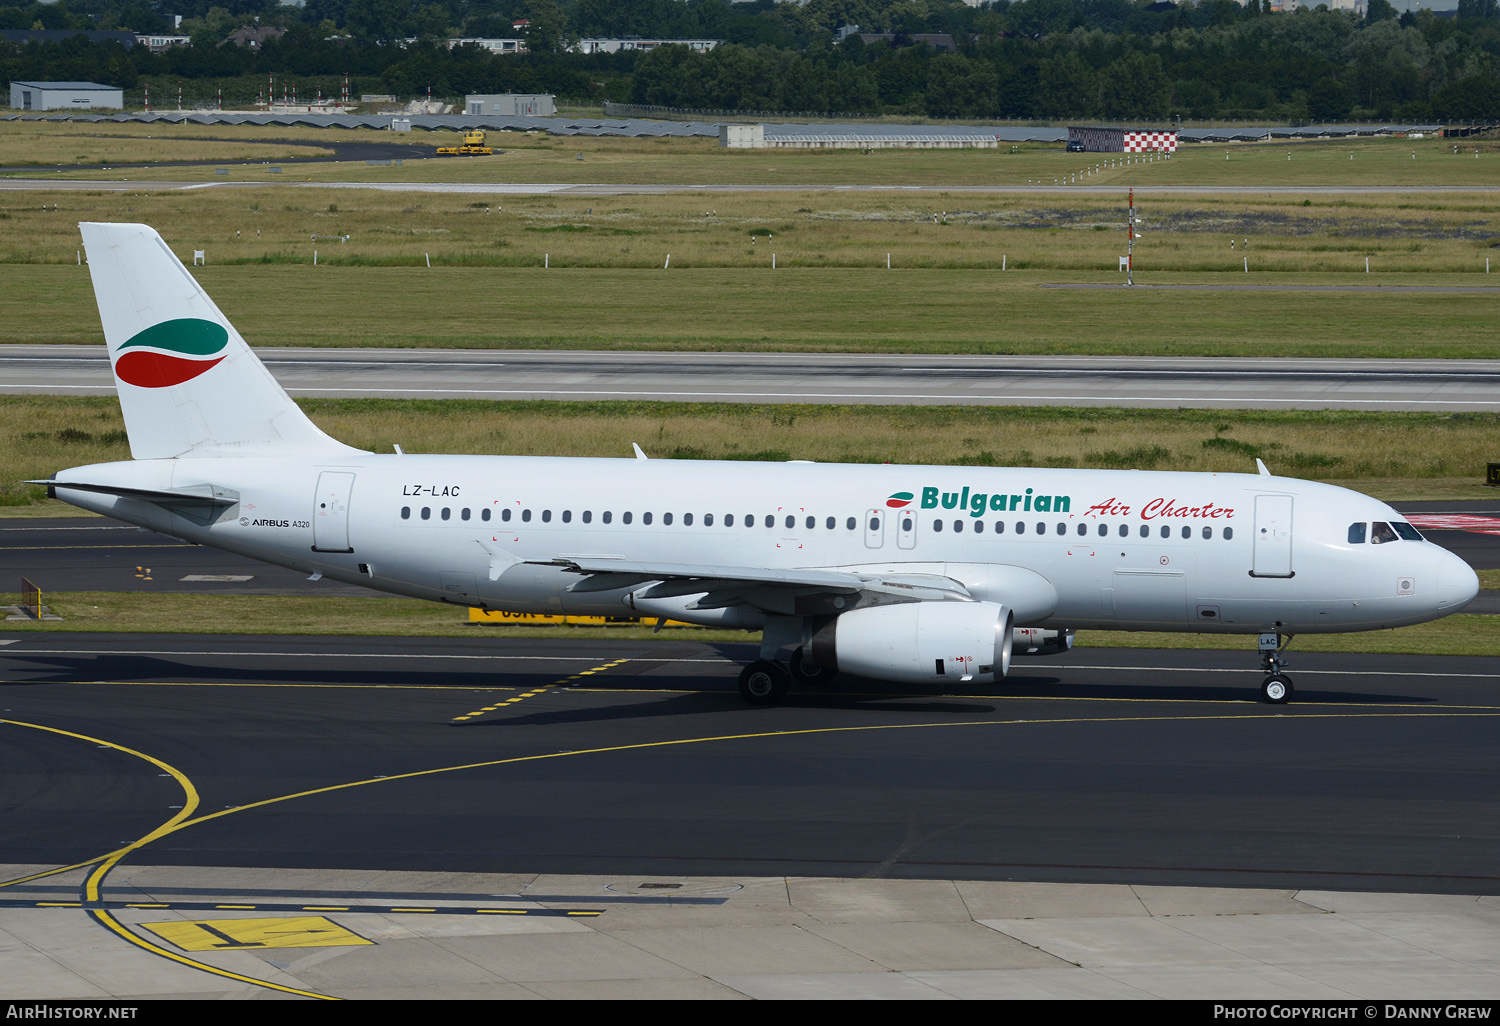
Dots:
pixel 473 146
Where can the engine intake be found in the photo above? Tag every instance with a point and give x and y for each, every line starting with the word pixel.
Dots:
pixel 919 642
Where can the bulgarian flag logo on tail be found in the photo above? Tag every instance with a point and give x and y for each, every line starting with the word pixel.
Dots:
pixel 171 352
pixel 900 500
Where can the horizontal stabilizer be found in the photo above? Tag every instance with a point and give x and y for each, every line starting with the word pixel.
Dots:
pixel 198 495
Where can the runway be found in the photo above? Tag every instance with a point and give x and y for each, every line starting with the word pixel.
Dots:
pixel 1149 382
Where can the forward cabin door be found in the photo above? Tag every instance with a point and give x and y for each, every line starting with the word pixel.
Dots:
pixel 331 512
pixel 1273 536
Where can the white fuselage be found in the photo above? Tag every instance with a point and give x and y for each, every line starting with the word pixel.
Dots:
pixel 1062 548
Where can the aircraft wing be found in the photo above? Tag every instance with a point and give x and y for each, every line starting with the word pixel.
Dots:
pixel 775 591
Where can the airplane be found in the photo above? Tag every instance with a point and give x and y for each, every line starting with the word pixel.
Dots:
pixel 930 575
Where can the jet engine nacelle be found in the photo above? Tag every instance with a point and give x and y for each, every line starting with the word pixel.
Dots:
pixel 1033 641
pixel 919 642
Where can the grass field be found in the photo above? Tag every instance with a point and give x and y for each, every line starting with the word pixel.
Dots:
pixel 605 284
pixel 1446 233
pixel 47 144
pixel 1391 455
pixel 806 309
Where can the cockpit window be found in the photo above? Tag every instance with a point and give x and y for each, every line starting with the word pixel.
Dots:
pixel 1357 534
pixel 1380 532
pixel 1406 531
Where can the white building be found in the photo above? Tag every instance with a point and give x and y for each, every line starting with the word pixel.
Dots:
pixel 65 96
pixel 493 45
pixel 615 45
pixel 537 105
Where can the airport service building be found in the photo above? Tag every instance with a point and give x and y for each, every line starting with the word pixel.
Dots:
pixel 65 96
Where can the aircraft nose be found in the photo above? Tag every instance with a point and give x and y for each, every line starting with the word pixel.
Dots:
pixel 1457 583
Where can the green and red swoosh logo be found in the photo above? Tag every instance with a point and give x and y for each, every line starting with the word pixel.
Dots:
pixel 171 352
pixel 900 500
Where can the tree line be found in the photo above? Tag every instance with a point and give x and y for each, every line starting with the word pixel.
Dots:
pixel 1057 59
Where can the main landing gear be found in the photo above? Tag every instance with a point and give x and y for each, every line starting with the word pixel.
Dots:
pixel 766 681
pixel 785 659
pixel 1277 687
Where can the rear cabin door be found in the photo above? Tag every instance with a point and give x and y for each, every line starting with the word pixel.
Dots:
pixel 331 512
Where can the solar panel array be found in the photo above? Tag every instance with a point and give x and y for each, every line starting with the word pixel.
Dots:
pixel 641 128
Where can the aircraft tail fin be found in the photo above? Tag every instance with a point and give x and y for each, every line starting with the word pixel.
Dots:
pixel 188 383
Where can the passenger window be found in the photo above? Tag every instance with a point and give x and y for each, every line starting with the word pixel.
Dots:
pixel 812 522
pixel 567 516
pixel 1166 532
pixel 1083 529
pixel 626 517
pixel 1124 530
pixel 937 526
pixel 588 516
pixel 850 524
pixel 1103 530
pixel 666 519
pixel 447 512
pixel 791 522
pixel 546 516
pixel 505 514
pixel 1062 528
pixel 906 524
pixel 999 526
pixel 1187 532
pixel 1380 533
pixel 1020 527
pixel 608 516
pixel 646 519
pixel 831 523
pixel 1357 533
pixel 1145 531
pixel 484 514
pixel 1228 533
pixel 728 519
pixel 426 512
pixel 405 512
pixel 464 513
pixel 1406 531
pixel 526 516
pixel 770 520
pixel 1208 532
pixel 958 526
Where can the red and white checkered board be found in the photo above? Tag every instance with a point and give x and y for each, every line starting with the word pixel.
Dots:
pixel 1455 522
pixel 1150 142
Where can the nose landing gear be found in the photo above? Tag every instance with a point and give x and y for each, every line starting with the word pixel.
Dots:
pixel 1277 686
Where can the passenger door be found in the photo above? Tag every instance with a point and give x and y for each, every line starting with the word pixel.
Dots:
pixel 1273 537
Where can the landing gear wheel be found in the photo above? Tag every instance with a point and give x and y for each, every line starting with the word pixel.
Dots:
pixel 1276 689
pixel 808 675
pixel 764 682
